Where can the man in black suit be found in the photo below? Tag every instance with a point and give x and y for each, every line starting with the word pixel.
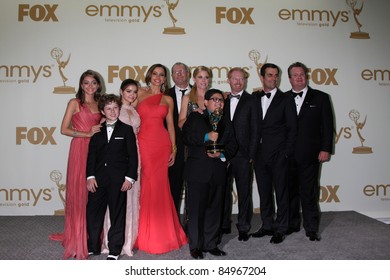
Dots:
pixel 180 75
pixel 111 171
pixel 278 135
pixel 244 111
pixel 205 174
pixel 313 147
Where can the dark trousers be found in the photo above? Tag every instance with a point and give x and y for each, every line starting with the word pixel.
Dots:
pixel 107 193
pixel 304 192
pixel 240 171
pixel 272 177
pixel 205 203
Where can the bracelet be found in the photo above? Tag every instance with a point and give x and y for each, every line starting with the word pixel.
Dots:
pixel 75 133
pixel 174 149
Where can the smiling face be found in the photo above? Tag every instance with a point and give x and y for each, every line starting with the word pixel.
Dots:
pixel 89 85
pixel 270 79
pixel 216 101
pixel 202 80
pixel 298 79
pixel 111 111
pixel 129 94
pixel 237 81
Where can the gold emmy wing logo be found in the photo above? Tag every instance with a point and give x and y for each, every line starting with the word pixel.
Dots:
pixel 57 54
pixel 173 30
pixel 254 55
pixel 56 177
pixel 354 115
pixel 356 12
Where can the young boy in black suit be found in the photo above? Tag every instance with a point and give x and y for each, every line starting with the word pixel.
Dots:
pixel 205 173
pixel 111 171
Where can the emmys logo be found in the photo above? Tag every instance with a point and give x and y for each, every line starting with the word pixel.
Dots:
pixel 254 55
pixel 354 115
pixel 380 75
pixel 56 177
pixel 377 190
pixel 356 12
pixel 57 54
pixel 173 30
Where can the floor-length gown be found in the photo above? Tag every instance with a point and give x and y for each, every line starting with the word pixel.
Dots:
pixel 74 237
pixel 159 228
pixel 132 207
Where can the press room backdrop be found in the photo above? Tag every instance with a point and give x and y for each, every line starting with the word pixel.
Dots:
pixel 46 45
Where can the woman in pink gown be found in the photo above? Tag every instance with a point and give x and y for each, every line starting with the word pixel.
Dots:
pixel 159 228
pixel 128 115
pixel 81 121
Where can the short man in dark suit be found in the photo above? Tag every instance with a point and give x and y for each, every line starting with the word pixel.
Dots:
pixel 244 111
pixel 205 174
pixel 278 135
pixel 111 171
pixel 313 147
pixel 180 75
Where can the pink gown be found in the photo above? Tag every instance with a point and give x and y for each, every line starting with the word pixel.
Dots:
pixel 159 228
pixel 132 207
pixel 74 237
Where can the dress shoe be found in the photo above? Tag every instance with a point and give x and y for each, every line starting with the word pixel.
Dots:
pixel 313 236
pixel 196 254
pixel 243 236
pixel 277 238
pixel 292 230
pixel 93 253
pixel 262 232
pixel 226 231
pixel 112 257
pixel 216 252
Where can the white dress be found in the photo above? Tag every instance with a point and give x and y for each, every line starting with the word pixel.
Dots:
pixel 128 115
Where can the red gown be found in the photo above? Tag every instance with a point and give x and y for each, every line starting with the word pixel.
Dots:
pixel 74 237
pixel 159 228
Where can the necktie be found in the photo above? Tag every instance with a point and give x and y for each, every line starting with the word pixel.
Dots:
pixel 235 96
pixel 183 91
pixel 295 94
pixel 268 94
pixel 112 125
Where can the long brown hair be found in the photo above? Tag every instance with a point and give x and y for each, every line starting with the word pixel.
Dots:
pixel 80 93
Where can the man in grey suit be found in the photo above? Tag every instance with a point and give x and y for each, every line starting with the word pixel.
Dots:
pixel 313 147
pixel 244 112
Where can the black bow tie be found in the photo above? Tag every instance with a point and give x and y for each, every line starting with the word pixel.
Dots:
pixel 268 94
pixel 295 94
pixel 235 96
pixel 112 125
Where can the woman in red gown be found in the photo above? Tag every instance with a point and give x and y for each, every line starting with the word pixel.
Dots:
pixel 81 121
pixel 159 228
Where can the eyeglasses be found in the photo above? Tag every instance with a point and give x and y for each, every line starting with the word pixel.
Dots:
pixel 179 72
pixel 217 100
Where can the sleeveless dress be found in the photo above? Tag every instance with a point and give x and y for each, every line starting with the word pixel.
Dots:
pixel 74 237
pixel 159 228
pixel 132 208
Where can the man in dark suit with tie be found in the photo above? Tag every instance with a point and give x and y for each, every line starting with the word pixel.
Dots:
pixel 313 147
pixel 180 75
pixel 244 111
pixel 205 174
pixel 278 135
pixel 111 171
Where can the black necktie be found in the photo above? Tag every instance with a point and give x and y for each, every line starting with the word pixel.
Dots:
pixel 183 91
pixel 235 96
pixel 295 94
pixel 268 94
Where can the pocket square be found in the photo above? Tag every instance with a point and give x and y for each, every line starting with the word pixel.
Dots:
pixel 312 106
pixel 119 138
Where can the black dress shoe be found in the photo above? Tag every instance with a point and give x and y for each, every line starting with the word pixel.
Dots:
pixel 243 236
pixel 313 236
pixel 292 230
pixel 216 252
pixel 262 232
pixel 196 254
pixel 277 238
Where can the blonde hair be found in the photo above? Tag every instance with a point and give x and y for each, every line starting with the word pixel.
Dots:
pixel 192 96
